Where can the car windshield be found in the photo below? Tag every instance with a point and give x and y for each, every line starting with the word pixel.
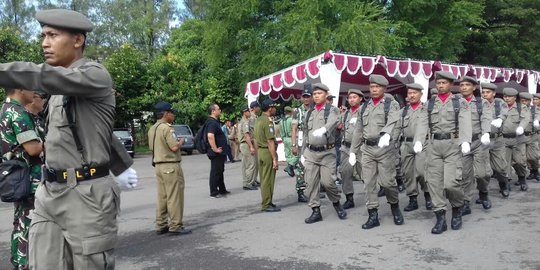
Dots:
pixel 122 133
pixel 182 130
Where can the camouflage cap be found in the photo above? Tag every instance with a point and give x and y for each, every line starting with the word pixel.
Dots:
pixel 525 95
pixel 489 86
pixel 63 18
pixel 415 86
pixel 446 75
pixel 378 79
pixel 469 79
pixel 320 86
pixel 288 109
pixel 355 91
pixel 508 91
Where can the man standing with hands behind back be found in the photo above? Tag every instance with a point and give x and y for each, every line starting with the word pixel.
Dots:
pixel 216 153
pixel 170 177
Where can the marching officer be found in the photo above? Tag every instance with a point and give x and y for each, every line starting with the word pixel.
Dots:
pixel 264 135
pixel 350 120
pixel 412 163
pixel 531 140
pixel 497 149
pixel 378 118
pixel 446 124
pixel 248 151
pixel 74 223
pixel 475 169
pixel 319 153
pixel 512 125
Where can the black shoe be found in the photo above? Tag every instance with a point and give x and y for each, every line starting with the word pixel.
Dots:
pixel 302 198
pixel 224 192
pixel 429 203
pixel 373 219
pixel 401 186
pixel 340 211
pixel 315 216
pixel 413 204
pixel 272 209
pixel 289 170
pixel 349 203
pixel 398 217
pixel 532 175
pixel 456 221
pixel 466 210
pixel 215 196
pixel 522 184
pixel 440 225
pixel 504 189
pixel 486 203
pixel 381 192
pixel 162 231
pixel 256 184
pixel 478 201
pixel 322 196
pixel 250 188
pixel 182 231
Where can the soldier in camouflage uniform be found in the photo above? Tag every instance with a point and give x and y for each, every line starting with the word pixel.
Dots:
pixel 297 140
pixel 21 140
pixel 531 141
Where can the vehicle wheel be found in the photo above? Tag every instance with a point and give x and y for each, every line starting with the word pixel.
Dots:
pixel 190 152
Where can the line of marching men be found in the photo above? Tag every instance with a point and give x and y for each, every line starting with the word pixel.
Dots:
pixel 449 146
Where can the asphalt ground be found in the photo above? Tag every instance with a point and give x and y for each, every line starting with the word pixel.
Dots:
pixel 232 233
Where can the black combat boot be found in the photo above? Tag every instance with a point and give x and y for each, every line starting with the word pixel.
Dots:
pixel 413 204
pixel 339 210
pixel 456 221
pixel 301 197
pixel 315 216
pixel 522 184
pixel 504 189
pixel 533 175
pixel 429 203
pixel 466 210
pixel 486 203
pixel 381 192
pixel 373 219
pixel 440 225
pixel 398 217
pixel 401 186
pixel 349 203
pixel 289 170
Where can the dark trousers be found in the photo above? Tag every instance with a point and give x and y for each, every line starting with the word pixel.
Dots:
pixel 228 151
pixel 217 183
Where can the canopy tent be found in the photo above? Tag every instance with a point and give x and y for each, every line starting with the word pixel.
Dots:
pixel 341 72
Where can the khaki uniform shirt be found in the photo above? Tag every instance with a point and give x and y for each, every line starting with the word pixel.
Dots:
pixel 316 121
pixel 407 124
pixel 514 119
pixel 492 108
pixel 264 131
pixel 243 128
pixel 348 127
pixel 161 139
pixel 443 120
pixel 480 120
pixel 93 110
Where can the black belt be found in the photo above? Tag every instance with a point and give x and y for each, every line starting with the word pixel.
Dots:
pixel 494 135
pixel 528 133
pixel 164 162
pixel 406 139
pixel 476 136
pixel 262 147
pixel 509 135
pixel 371 142
pixel 347 144
pixel 444 136
pixel 320 148
pixel 81 174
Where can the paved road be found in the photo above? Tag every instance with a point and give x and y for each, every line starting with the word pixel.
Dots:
pixel 231 232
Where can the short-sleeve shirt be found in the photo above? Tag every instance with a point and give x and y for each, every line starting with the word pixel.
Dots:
pixel 161 139
pixel 213 126
pixel 16 128
pixel 264 131
pixel 243 128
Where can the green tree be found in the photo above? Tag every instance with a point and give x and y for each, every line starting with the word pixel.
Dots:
pixel 18 14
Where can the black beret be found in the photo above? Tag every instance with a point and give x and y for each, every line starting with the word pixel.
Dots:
pixel 163 106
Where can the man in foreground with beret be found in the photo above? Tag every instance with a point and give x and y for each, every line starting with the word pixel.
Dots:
pixel 74 223
pixel 530 136
pixel 378 118
pixel 446 124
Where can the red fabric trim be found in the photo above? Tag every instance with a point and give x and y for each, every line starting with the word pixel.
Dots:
pixel 444 97
pixel 376 100
pixel 415 106
pixel 354 109
pixel 319 107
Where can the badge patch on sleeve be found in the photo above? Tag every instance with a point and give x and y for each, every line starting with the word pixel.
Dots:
pixel 271 130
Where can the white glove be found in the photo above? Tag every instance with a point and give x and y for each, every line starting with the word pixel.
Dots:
pixel 485 139
pixel 302 159
pixel 417 147
pixel 497 122
pixel 465 148
pixel 384 141
pixel 353 120
pixel 352 159
pixel 536 124
pixel 319 132
pixel 519 131
pixel 127 179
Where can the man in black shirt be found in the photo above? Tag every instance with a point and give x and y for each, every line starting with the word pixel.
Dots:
pixel 217 143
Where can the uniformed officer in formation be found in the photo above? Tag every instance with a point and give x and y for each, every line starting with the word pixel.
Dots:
pixel 378 118
pixel 476 173
pixel 286 132
pixel 446 124
pixel 248 151
pixel 513 123
pixel 530 135
pixel 412 163
pixel 255 109
pixel 350 119
pixel 319 155
pixel 266 154
pixel 535 174
pixel 497 149
pixel 297 138
pixel 166 153
pixel 70 230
